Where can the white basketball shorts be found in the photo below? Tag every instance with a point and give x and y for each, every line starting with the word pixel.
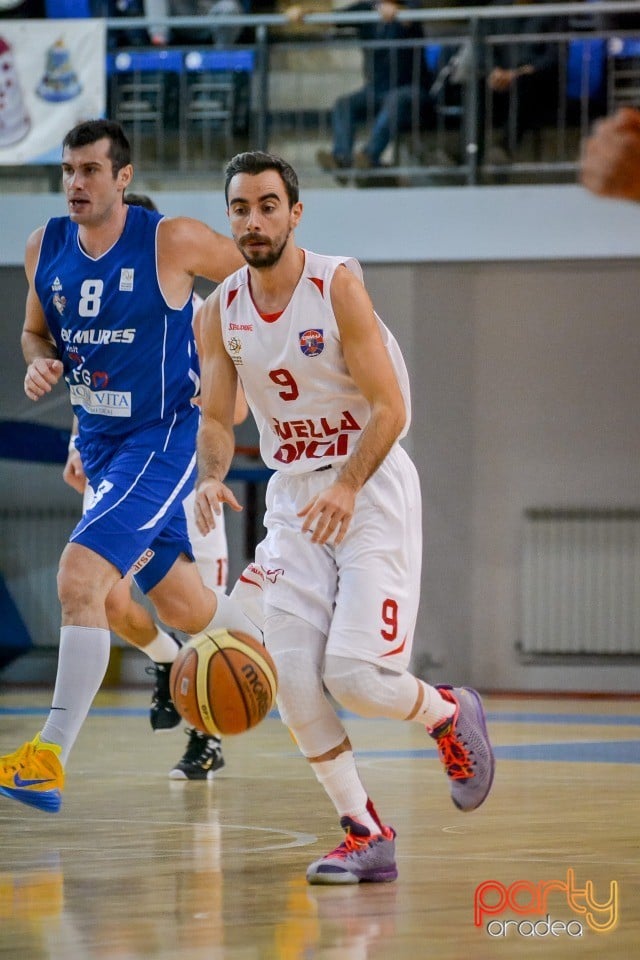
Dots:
pixel 364 594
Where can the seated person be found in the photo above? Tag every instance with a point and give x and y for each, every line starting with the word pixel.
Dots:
pixel 522 79
pixel 385 70
pixel 206 34
pixel 619 21
pixel 402 108
pixel 133 37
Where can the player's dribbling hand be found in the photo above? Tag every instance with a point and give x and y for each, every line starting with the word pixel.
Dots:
pixel 210 495
pixel 42 374
pixel 328 515
pixel 73 472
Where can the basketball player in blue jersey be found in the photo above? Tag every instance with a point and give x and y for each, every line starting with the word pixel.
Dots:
pixel 329 390
pixel 134 623
pixel 109 309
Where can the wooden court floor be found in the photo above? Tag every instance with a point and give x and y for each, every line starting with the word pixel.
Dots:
pixel 137 867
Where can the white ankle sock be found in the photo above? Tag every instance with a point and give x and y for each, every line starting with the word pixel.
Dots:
pixel 340 779
pixel 434 708
pixel 163 648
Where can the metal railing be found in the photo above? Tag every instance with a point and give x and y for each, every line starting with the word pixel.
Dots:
pixel 188 109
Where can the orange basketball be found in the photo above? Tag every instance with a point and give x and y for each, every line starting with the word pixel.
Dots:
pixel 223 682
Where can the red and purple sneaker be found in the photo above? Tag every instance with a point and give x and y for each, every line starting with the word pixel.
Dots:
pixel 362 857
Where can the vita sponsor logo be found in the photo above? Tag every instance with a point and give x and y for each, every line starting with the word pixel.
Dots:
pixel 531 900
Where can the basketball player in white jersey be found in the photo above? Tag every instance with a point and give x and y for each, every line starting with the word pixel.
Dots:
pixel 340 564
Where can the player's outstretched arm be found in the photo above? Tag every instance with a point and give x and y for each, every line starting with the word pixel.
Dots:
pixel 241 410
pixel 44 369
pixel 197 249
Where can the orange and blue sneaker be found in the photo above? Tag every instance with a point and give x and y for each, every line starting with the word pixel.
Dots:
pixel 361 857
pixel 34 775
pixel 464 747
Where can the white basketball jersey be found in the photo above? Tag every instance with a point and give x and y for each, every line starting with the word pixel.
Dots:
pixel 307 407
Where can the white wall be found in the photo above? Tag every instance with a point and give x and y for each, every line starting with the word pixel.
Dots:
pixel 405 225
pixel 536 364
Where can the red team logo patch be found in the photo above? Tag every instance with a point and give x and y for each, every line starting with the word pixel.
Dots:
pixel 312 342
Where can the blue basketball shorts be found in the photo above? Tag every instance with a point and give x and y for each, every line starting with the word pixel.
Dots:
pixel 135 518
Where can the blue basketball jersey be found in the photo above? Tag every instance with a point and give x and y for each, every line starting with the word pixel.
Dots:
pixel 129 359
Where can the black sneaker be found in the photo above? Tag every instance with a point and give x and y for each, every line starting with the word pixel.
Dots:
pixel 162 713
pixel 202 758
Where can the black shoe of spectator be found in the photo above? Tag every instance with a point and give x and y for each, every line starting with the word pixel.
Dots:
pixel 327 161
pixel 362 161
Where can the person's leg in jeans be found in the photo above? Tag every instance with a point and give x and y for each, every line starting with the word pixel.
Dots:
pixel 401 109
pixel 348 112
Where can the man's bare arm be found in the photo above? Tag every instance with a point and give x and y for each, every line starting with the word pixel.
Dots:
pixel 328 515
pixel 216 440
pixel 370 366
pixel 44 369
pixel 188 248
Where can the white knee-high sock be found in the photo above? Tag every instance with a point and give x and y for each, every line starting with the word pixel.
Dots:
pixel 82 664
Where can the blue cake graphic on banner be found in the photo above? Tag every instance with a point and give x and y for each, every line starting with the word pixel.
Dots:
pixel 60 81
pixel 14 119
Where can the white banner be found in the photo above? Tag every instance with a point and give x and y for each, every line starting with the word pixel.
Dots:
pixel 52 76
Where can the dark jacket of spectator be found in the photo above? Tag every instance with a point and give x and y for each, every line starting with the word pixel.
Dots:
pixel 385 68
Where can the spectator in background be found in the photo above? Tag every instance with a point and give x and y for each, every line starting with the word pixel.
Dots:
pixel 619 21
pixel 133 37
pixel 385 69
pixel 208 34
pixel 403 107
pixel 522 79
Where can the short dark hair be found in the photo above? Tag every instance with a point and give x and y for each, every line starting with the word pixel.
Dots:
pixel 139 200
pixel 254 162
pixel 90 131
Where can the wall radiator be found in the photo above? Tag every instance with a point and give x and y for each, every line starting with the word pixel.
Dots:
pixel 580 582
pixel 31 541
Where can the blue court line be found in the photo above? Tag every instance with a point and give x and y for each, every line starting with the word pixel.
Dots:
pixel 95 711
pixel 604 720
pixel 494 716
pixel 603 751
